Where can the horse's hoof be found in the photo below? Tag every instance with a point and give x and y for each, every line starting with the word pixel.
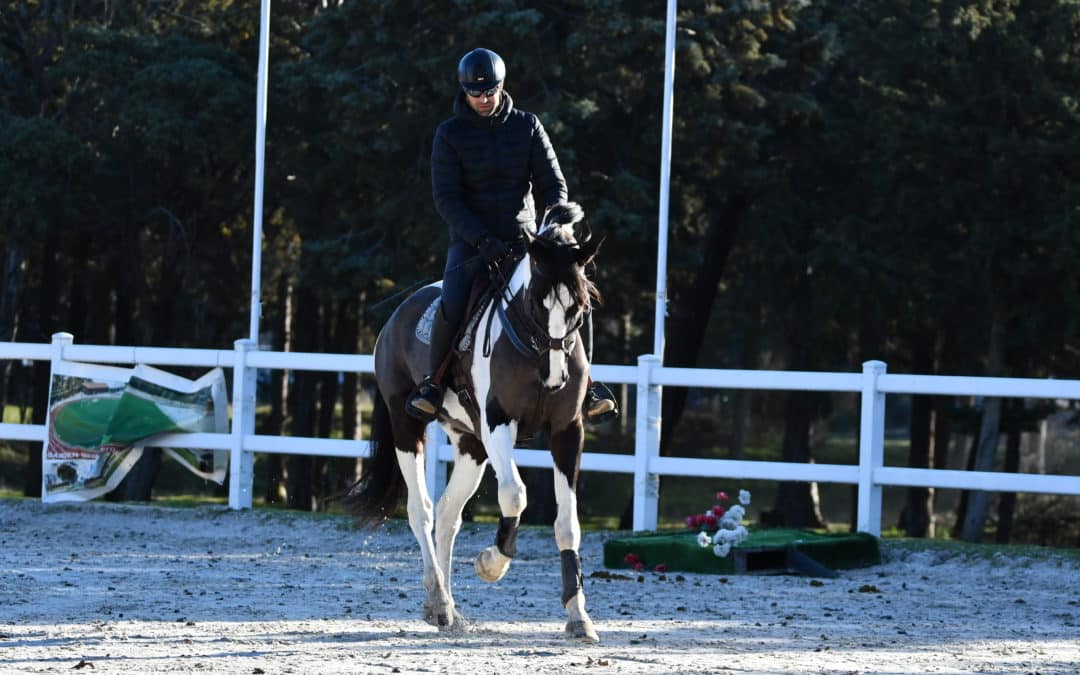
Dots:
pixel 459 624
pixel 442 620
pixel 491 565
pixel 582 631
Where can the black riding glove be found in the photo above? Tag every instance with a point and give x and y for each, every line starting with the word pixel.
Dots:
pixel 493 249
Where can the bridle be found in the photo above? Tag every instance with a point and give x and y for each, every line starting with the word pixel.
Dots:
pixel 538 341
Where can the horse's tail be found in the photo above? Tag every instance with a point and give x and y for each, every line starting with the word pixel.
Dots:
pixel 381 488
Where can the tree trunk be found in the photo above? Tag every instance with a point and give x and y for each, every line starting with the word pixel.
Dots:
pixel 42 331
pixel 127 285
pixel 138 484
pixel 797 503
pixel 274 466
pixel 965 496
pixel 328 394
pixel 82 287
pixel 348 341
pixel 690 316
pixel 740 409
pixel 10 285
pixel 989 430
pixel 917 516
pixel 1007 500
pixel 302 401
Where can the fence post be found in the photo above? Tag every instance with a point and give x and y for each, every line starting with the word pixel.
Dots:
pixel 241 462
pixel 871 448
pixel 646 445
pixel 59 342
pixel 435 470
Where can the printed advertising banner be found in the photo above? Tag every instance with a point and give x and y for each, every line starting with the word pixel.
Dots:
pixel 101 417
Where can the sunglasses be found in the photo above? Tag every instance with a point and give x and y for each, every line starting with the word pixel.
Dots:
pixel 477 93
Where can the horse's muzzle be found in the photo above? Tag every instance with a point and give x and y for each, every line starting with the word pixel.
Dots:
pixel 552 388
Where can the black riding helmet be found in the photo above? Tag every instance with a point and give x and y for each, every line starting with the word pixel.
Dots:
pixel 481 70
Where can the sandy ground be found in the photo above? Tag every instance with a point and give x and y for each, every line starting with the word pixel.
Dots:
pixel 103 588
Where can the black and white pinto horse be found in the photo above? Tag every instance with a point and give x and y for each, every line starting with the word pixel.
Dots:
pixel 525 372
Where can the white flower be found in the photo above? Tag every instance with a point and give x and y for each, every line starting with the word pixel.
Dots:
pixel 744 496
pixel 733 517
pixel 721 550
pixel 703 539
pixel 725 536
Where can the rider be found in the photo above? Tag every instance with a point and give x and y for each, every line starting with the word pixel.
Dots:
pixel 486 163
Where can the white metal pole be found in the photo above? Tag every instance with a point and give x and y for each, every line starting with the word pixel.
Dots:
pixel 260 162
pixel 665 182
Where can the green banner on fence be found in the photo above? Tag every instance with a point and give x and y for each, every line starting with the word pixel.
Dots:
pixel 101 418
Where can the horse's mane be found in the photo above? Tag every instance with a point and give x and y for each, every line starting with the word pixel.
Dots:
pixel 558 228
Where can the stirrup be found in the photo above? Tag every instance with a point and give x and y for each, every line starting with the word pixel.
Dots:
pixel 423 404
pixel 599 405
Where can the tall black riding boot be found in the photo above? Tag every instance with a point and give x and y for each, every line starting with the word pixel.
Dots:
pixel 599 405
pixel 423 403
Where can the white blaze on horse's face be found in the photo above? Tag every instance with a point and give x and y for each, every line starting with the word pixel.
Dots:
pixel 558 303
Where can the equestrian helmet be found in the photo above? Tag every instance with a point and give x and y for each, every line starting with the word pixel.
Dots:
pixel 481 69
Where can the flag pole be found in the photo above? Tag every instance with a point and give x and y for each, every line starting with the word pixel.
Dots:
pixel 260 164
pixel 665 183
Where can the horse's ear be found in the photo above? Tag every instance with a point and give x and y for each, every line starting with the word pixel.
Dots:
pixel 588 250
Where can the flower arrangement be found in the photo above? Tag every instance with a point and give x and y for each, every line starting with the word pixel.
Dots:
pixel 725 520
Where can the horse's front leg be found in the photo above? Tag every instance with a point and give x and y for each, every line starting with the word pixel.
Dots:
pixel 499 435
pixel 566 446
pixel 469 466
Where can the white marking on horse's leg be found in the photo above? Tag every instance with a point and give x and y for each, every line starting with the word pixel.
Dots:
pixel 463 482
pixel 492 564
pixel 567 528
pixel 438 607
pixel 568 537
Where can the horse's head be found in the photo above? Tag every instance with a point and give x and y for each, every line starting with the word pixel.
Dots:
pixel 559 294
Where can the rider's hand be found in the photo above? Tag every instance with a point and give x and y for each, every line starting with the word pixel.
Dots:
pixel 493 249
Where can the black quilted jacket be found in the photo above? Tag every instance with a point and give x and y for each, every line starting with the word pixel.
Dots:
pixel 482 170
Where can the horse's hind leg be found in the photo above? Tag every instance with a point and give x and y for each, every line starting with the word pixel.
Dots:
pixel 469 467
pixel 438 606
pixel 566 453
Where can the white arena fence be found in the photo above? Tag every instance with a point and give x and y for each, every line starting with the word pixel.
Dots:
pixel 646 464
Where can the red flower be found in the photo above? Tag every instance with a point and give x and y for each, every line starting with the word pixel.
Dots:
pixel 710 521
pixel 718 511
pixel 631 559
pixel 722 496
pixel 661 568
pixel 699 519
pixel 639 566
pixel 690 522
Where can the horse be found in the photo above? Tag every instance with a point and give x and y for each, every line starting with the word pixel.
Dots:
pixel 526 371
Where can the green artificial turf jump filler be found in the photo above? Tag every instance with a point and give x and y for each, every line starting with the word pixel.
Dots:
pixel 775 551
